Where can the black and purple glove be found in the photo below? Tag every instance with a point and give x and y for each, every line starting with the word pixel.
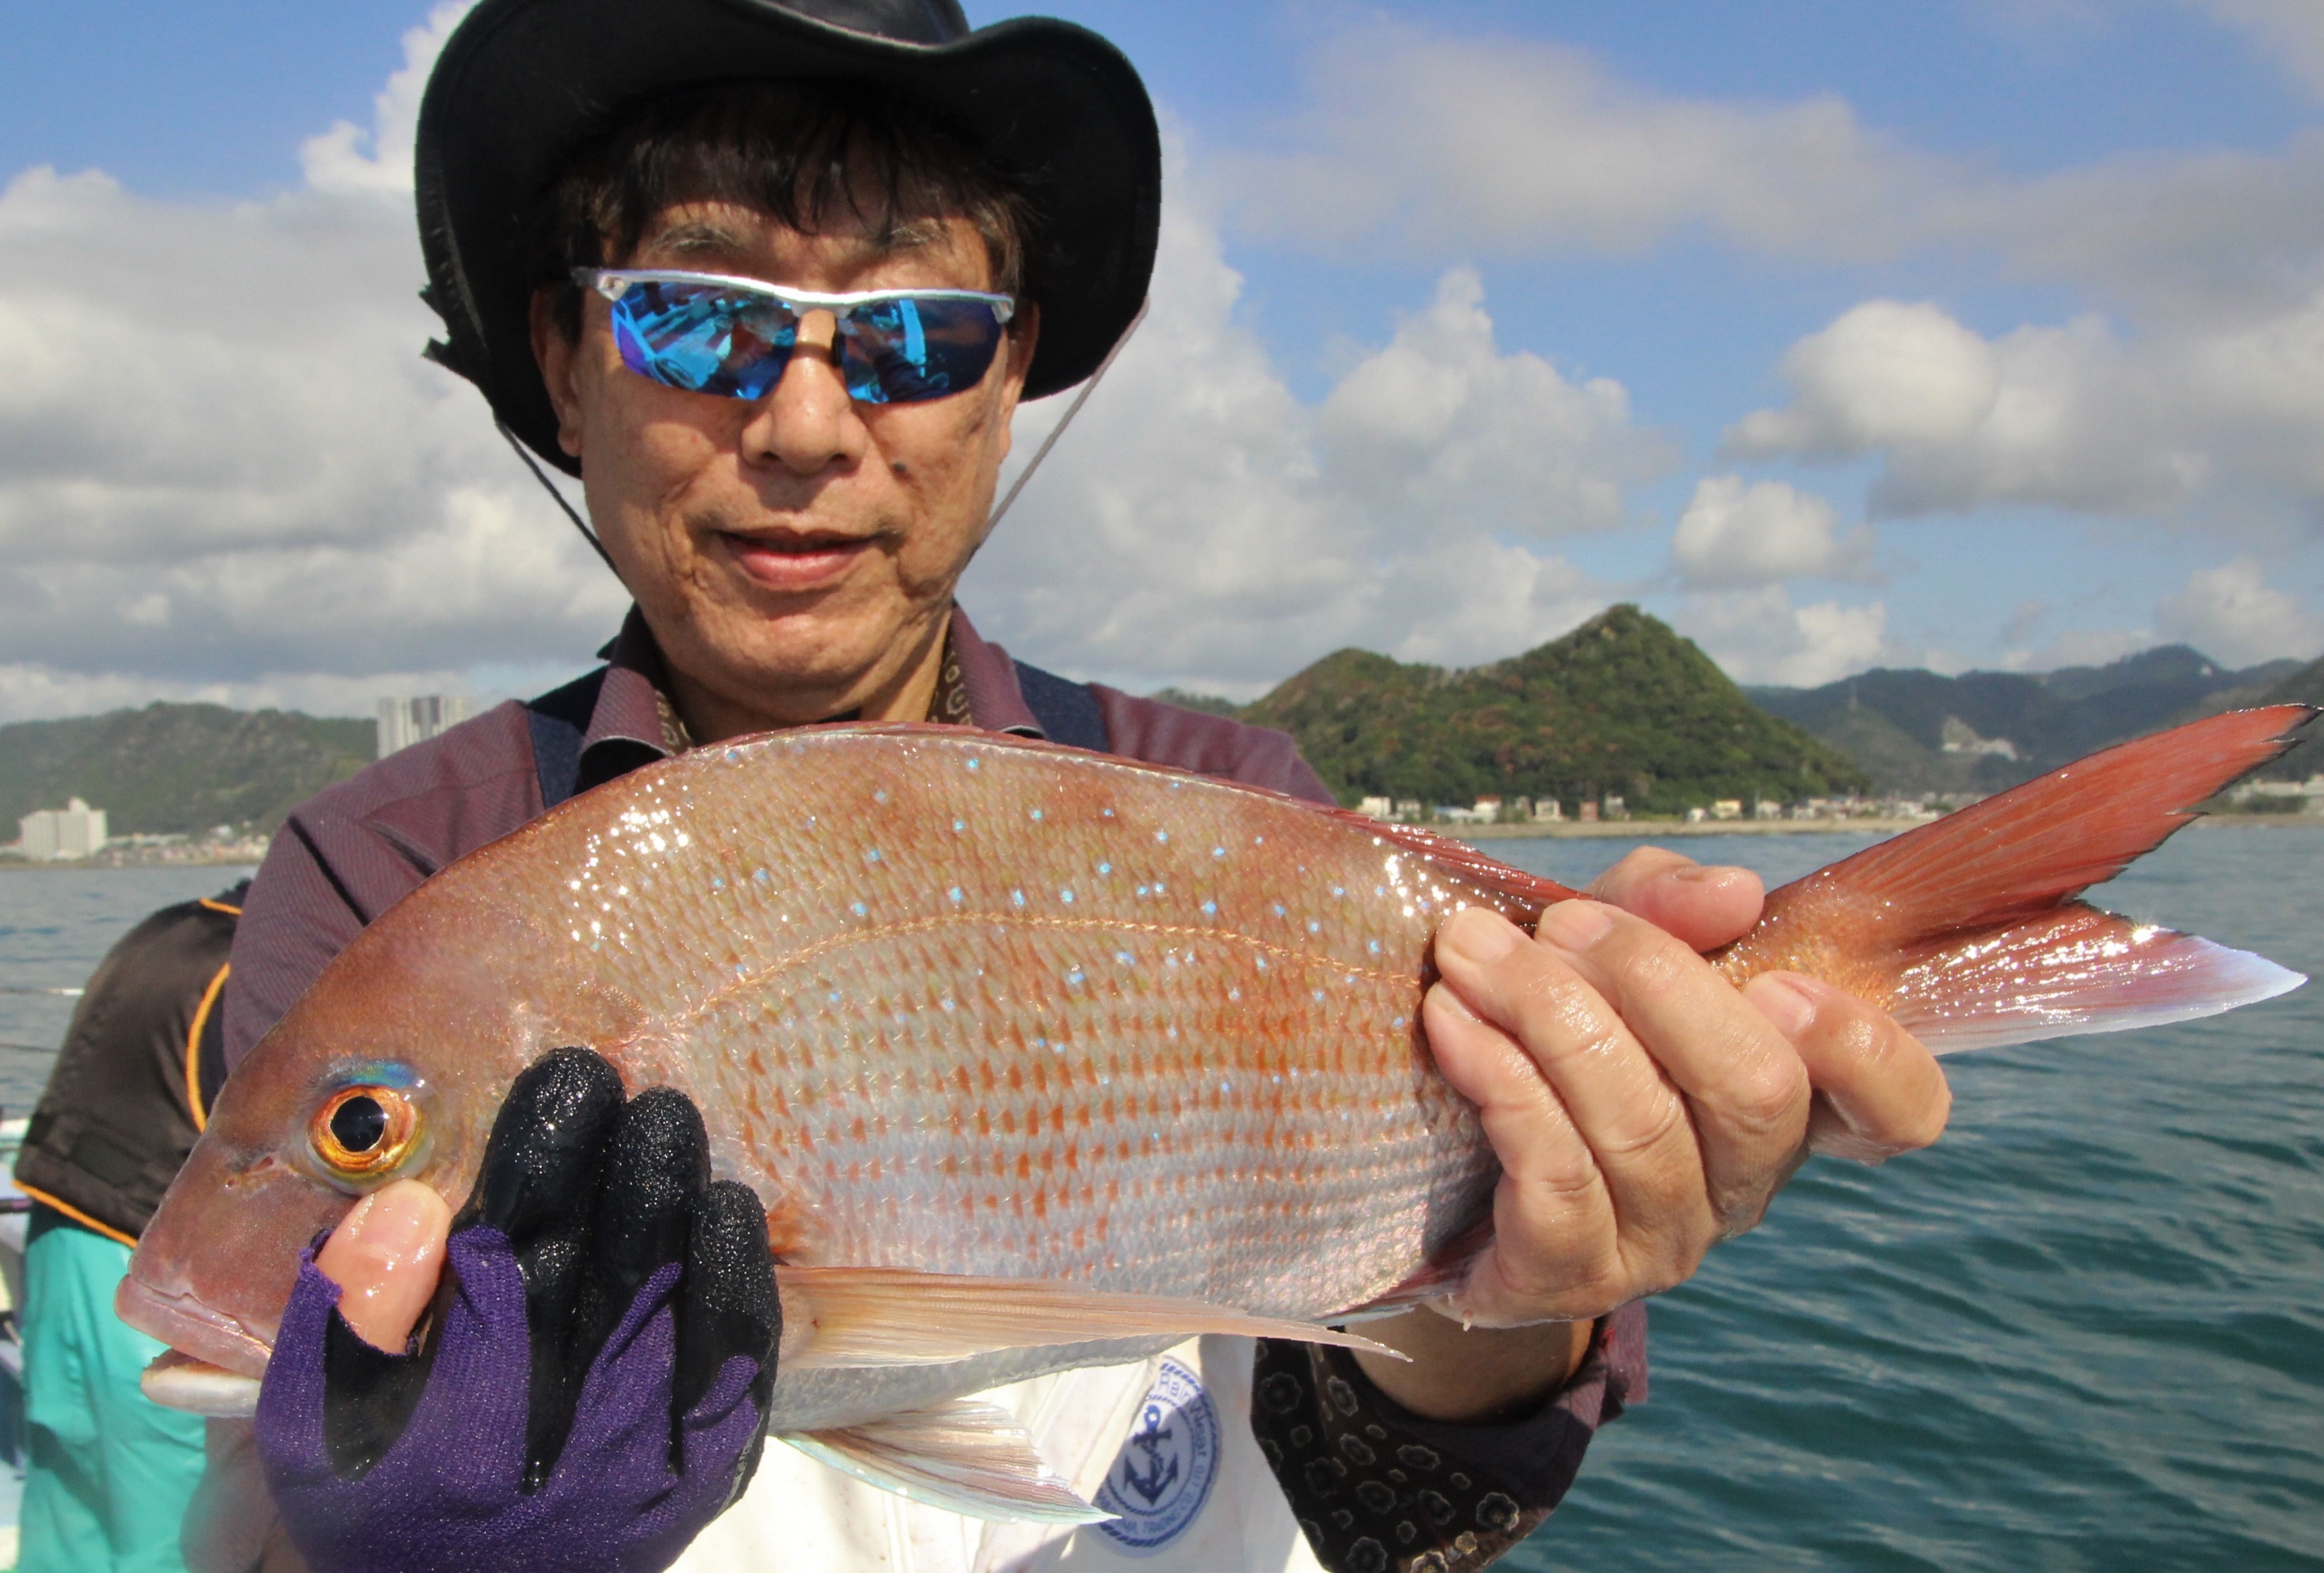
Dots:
pixel 592 1387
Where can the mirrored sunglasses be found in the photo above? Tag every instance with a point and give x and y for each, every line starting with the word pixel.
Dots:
pixel 708 333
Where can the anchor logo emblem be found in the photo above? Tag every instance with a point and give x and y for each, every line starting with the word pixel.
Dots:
pixel 1162 1476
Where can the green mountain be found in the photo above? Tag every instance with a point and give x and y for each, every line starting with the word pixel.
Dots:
pixel 1621 705
pixel 2303 687
pixel 178 768
pixel 1919 731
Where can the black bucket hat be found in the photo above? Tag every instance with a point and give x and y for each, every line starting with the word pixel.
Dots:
pixel 523 85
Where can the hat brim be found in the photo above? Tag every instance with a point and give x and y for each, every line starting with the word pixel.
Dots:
pixel 521 84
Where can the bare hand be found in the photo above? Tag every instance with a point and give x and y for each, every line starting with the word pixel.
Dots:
pixel 1642 1108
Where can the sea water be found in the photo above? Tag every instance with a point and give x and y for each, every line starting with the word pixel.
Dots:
pixel 2083 1332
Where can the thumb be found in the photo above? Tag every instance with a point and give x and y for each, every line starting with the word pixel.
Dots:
pixel 386 1256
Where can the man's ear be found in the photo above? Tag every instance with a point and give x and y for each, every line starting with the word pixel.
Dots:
pixel 558 357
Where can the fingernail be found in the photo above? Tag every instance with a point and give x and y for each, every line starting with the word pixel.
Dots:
pixel 1481 935
pixel 392 1225
pixel 1784 1002
pixel 1575 925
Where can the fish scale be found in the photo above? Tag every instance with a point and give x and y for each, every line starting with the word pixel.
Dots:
pixel 1009 1023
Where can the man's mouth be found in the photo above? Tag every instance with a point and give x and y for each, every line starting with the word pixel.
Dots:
pixel 801 560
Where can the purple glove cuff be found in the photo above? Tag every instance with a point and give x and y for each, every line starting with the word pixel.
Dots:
pixel 447 1496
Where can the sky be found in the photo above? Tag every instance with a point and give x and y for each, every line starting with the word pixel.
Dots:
pixel 1955 333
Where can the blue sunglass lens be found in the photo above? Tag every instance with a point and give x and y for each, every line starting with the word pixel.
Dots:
pixel 708 339
pixel 703 338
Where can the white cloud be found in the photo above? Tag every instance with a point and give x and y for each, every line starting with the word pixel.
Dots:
pixel 223 468
pixel 1199 525
pixel 1444 148
pixel 2233 615
pixel 1496 144
pixel 1731 533
pixel 334 160
pixel 1760 636
pixel 2289 33
pixel 2071 417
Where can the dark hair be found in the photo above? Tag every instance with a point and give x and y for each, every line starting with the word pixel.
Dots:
pixel 808 152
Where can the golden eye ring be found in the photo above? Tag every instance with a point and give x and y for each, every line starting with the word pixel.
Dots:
pixel 360 1132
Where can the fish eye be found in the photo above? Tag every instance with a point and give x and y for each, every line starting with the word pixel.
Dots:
pixel 363 1132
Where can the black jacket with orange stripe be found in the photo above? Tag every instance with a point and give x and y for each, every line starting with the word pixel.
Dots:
pixel 141 1061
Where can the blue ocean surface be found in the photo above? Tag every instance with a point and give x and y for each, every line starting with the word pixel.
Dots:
pixel 2085 1331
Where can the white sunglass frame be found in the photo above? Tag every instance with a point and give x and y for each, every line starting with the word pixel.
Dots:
pixel 613 283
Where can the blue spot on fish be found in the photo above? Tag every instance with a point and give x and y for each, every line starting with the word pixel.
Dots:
pixel 1313 927
pixel 1163 835
pixel 954 894
pixel 1210 908
pixel 1373 945
pixel 761 876
pixel 872 856
pixel 958 826
pixel 1075 977
pixel 1036 814
pixel 1067 896
pixel 1017 898
pixel 1105 868
pixel 1218 852
pixel 861 911
pixel 972 762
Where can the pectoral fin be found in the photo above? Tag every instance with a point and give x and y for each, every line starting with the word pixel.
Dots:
pixel 966 1457
pixel 876 1316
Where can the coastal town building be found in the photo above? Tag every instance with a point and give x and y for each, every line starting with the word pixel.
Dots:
pixel 54 835
pixel 1378 808
pixel 406 721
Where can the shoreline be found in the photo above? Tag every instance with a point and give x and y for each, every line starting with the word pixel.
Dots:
pixel 1656 829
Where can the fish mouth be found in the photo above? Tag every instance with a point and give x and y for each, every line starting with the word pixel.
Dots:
pixel 191 1327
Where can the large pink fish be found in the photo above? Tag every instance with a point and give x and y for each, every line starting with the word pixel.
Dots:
pixel 1041 1059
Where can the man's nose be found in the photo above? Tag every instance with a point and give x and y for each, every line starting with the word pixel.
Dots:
pixel 807 420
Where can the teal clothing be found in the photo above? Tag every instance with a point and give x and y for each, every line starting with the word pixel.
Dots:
pixel 108 1472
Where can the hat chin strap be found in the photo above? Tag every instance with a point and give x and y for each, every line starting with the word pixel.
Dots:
pixel 549 486
pixel 1072 410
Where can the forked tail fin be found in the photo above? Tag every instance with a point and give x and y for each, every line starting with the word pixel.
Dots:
pixel 1979 906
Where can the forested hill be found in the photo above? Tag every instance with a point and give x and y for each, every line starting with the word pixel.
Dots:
pixel 1621 705
pixel 2304 686
pixel 1981 731
pixel 178 768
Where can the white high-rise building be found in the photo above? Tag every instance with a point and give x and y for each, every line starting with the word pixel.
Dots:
pixel 404 722
pixel 52 834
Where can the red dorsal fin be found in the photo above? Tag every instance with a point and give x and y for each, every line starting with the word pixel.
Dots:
pixel 2030 848
pixel 1522 895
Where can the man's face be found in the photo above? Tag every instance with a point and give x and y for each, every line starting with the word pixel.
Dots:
pixel 794 555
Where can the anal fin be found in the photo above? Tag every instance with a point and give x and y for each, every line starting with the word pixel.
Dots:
pixel 966 1457
pixel 856 1317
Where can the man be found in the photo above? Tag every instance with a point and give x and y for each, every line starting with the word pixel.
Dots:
pixel 772 280
pixel 110 1474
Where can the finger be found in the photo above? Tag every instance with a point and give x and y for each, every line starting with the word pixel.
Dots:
pixel 1631 1117
pixel 727 1307
pixel 1877 1091
pixel 656 1167
pixel 386 1256
pixel 1706 906
pixel 540 1171
pixel 538 1186
pixel 1746 1088
pixel 1553 1223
